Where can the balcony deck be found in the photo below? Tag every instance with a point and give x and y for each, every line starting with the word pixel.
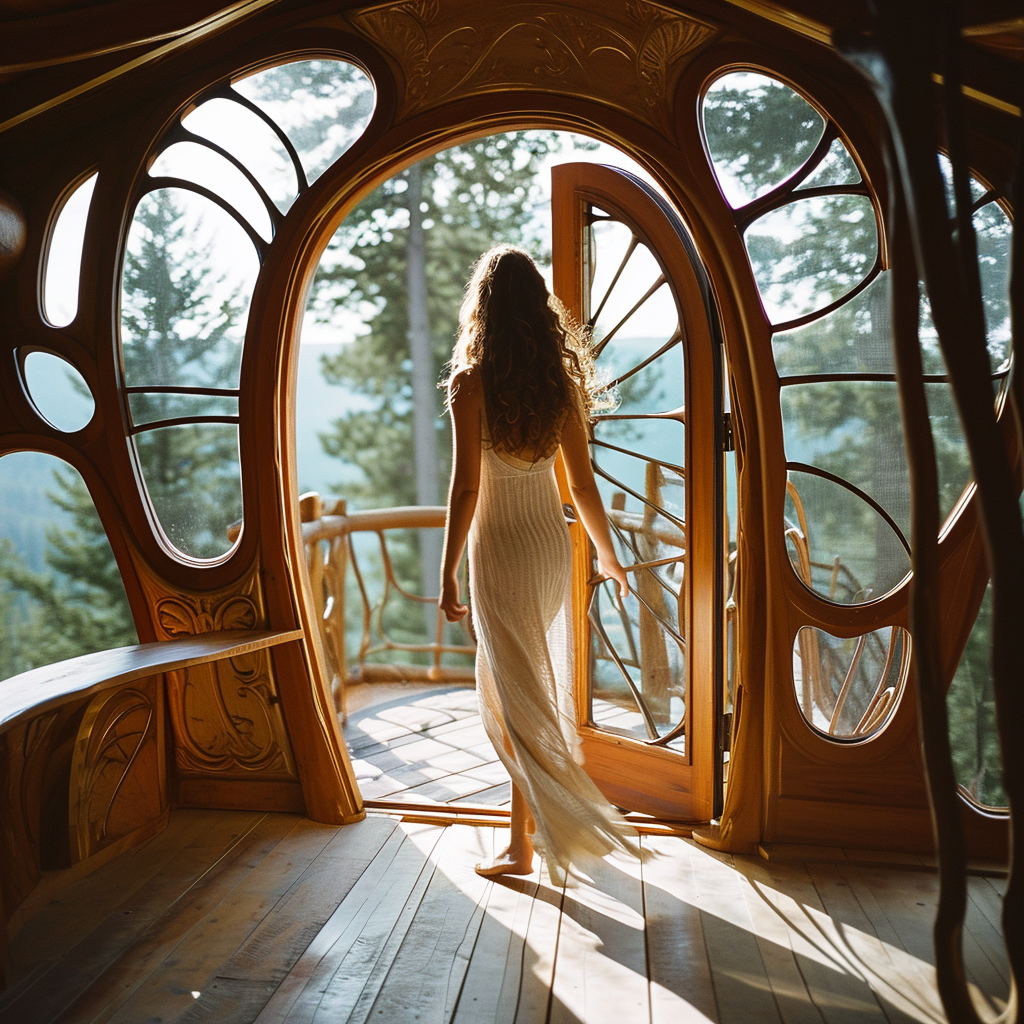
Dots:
pixel 236 917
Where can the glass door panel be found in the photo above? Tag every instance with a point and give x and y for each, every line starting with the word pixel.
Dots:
pixel 649 669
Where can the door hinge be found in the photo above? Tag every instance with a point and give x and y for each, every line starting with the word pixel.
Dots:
pixel 728 441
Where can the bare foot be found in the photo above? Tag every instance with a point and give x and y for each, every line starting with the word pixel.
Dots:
pixel 510 862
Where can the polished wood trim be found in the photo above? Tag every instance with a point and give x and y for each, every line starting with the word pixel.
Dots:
pixel 41 689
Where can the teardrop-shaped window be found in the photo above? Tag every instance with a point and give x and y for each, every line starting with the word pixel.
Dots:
pixel 323 106
pixel 188 278
pixel 192 477
pixel 759 133
pixel 61 594
pixel 58 391
pixel 849 687
pixel 63 256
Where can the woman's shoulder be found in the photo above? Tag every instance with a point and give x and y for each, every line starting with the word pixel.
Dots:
pixel 465 383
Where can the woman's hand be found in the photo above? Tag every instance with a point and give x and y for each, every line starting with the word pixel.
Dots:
pixel 449 601
pixel 612 568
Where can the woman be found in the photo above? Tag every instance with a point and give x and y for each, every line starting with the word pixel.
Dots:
pixel 520 388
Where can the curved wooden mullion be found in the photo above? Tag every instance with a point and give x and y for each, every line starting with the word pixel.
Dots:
pixel 179 133
pixel 180 389
pixel 801 321
pixel 677 336
pixel 673 414
pixel 179 421
pixel 638 455
pixel 803 467
pixel 844 690
pixel 878 706
pixel 629 490
pixel 259 242
pixel 227 92
pixel 631 545
pixel 630 249
pixel 870 378
pixel 745 215
pixel 814 192
pixel 659 281
pixel 649 724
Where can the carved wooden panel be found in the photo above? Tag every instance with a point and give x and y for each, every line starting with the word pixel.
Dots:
pixel 628 54
pixel 118 775
pixel 226 716
pixel 23 754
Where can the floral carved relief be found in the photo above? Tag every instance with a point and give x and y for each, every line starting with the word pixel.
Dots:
pixel 628 55
pixel 226 715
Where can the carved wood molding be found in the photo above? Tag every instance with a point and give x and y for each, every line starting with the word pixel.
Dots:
pixel 117 772
pixel 226 715
pixel 628 55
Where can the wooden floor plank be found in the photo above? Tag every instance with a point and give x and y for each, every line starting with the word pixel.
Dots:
pixel 364 934
pixel 498 970
pixel 189 960
pixel 786 908
pixel 856 937
pixel 743 988
pixel 322 957
pixel 682 991
pixel 95 972
pixel 260 965
pixel 601 964
pixel 426 976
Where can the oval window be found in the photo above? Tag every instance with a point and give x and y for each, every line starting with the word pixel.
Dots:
pixel 58 391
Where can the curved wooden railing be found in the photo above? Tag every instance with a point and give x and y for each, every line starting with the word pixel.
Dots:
pixel 327 536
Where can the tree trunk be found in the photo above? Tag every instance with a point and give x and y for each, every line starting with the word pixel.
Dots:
pixel 424 391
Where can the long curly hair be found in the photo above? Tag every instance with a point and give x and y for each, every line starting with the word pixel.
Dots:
pixel 535 363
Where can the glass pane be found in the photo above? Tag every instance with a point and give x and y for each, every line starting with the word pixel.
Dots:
pixel 652 700
pixel 759 132
pixel 837 168
pixel 811 252
pixel 663 440
pixel 840 547
pixel 148 408
pixel 855 338
pixel 61 594
pixel 58 391
pixel 64 256
pixel 624 317
pixel 849 687
pixel 658 387
pixel 972 716
pixel 193 162
pixel 322 105
pixel 188 278
pixel 661 488
pixel 192 476
pixel 853 429
pixel 994 232
pixel 248 137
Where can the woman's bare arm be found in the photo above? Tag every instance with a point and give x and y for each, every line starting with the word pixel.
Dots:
pixel 466 406
pixel 576 454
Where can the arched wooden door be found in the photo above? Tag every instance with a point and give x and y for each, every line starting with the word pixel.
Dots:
pixel 649 673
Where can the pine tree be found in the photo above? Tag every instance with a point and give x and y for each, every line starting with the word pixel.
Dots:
pixel 178 327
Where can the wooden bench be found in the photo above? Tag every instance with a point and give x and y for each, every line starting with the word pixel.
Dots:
pixel 83 756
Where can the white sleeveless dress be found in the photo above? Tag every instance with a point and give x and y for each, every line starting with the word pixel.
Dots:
pixel 520 565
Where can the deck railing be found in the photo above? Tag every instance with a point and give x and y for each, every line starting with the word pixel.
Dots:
pixel 327 536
